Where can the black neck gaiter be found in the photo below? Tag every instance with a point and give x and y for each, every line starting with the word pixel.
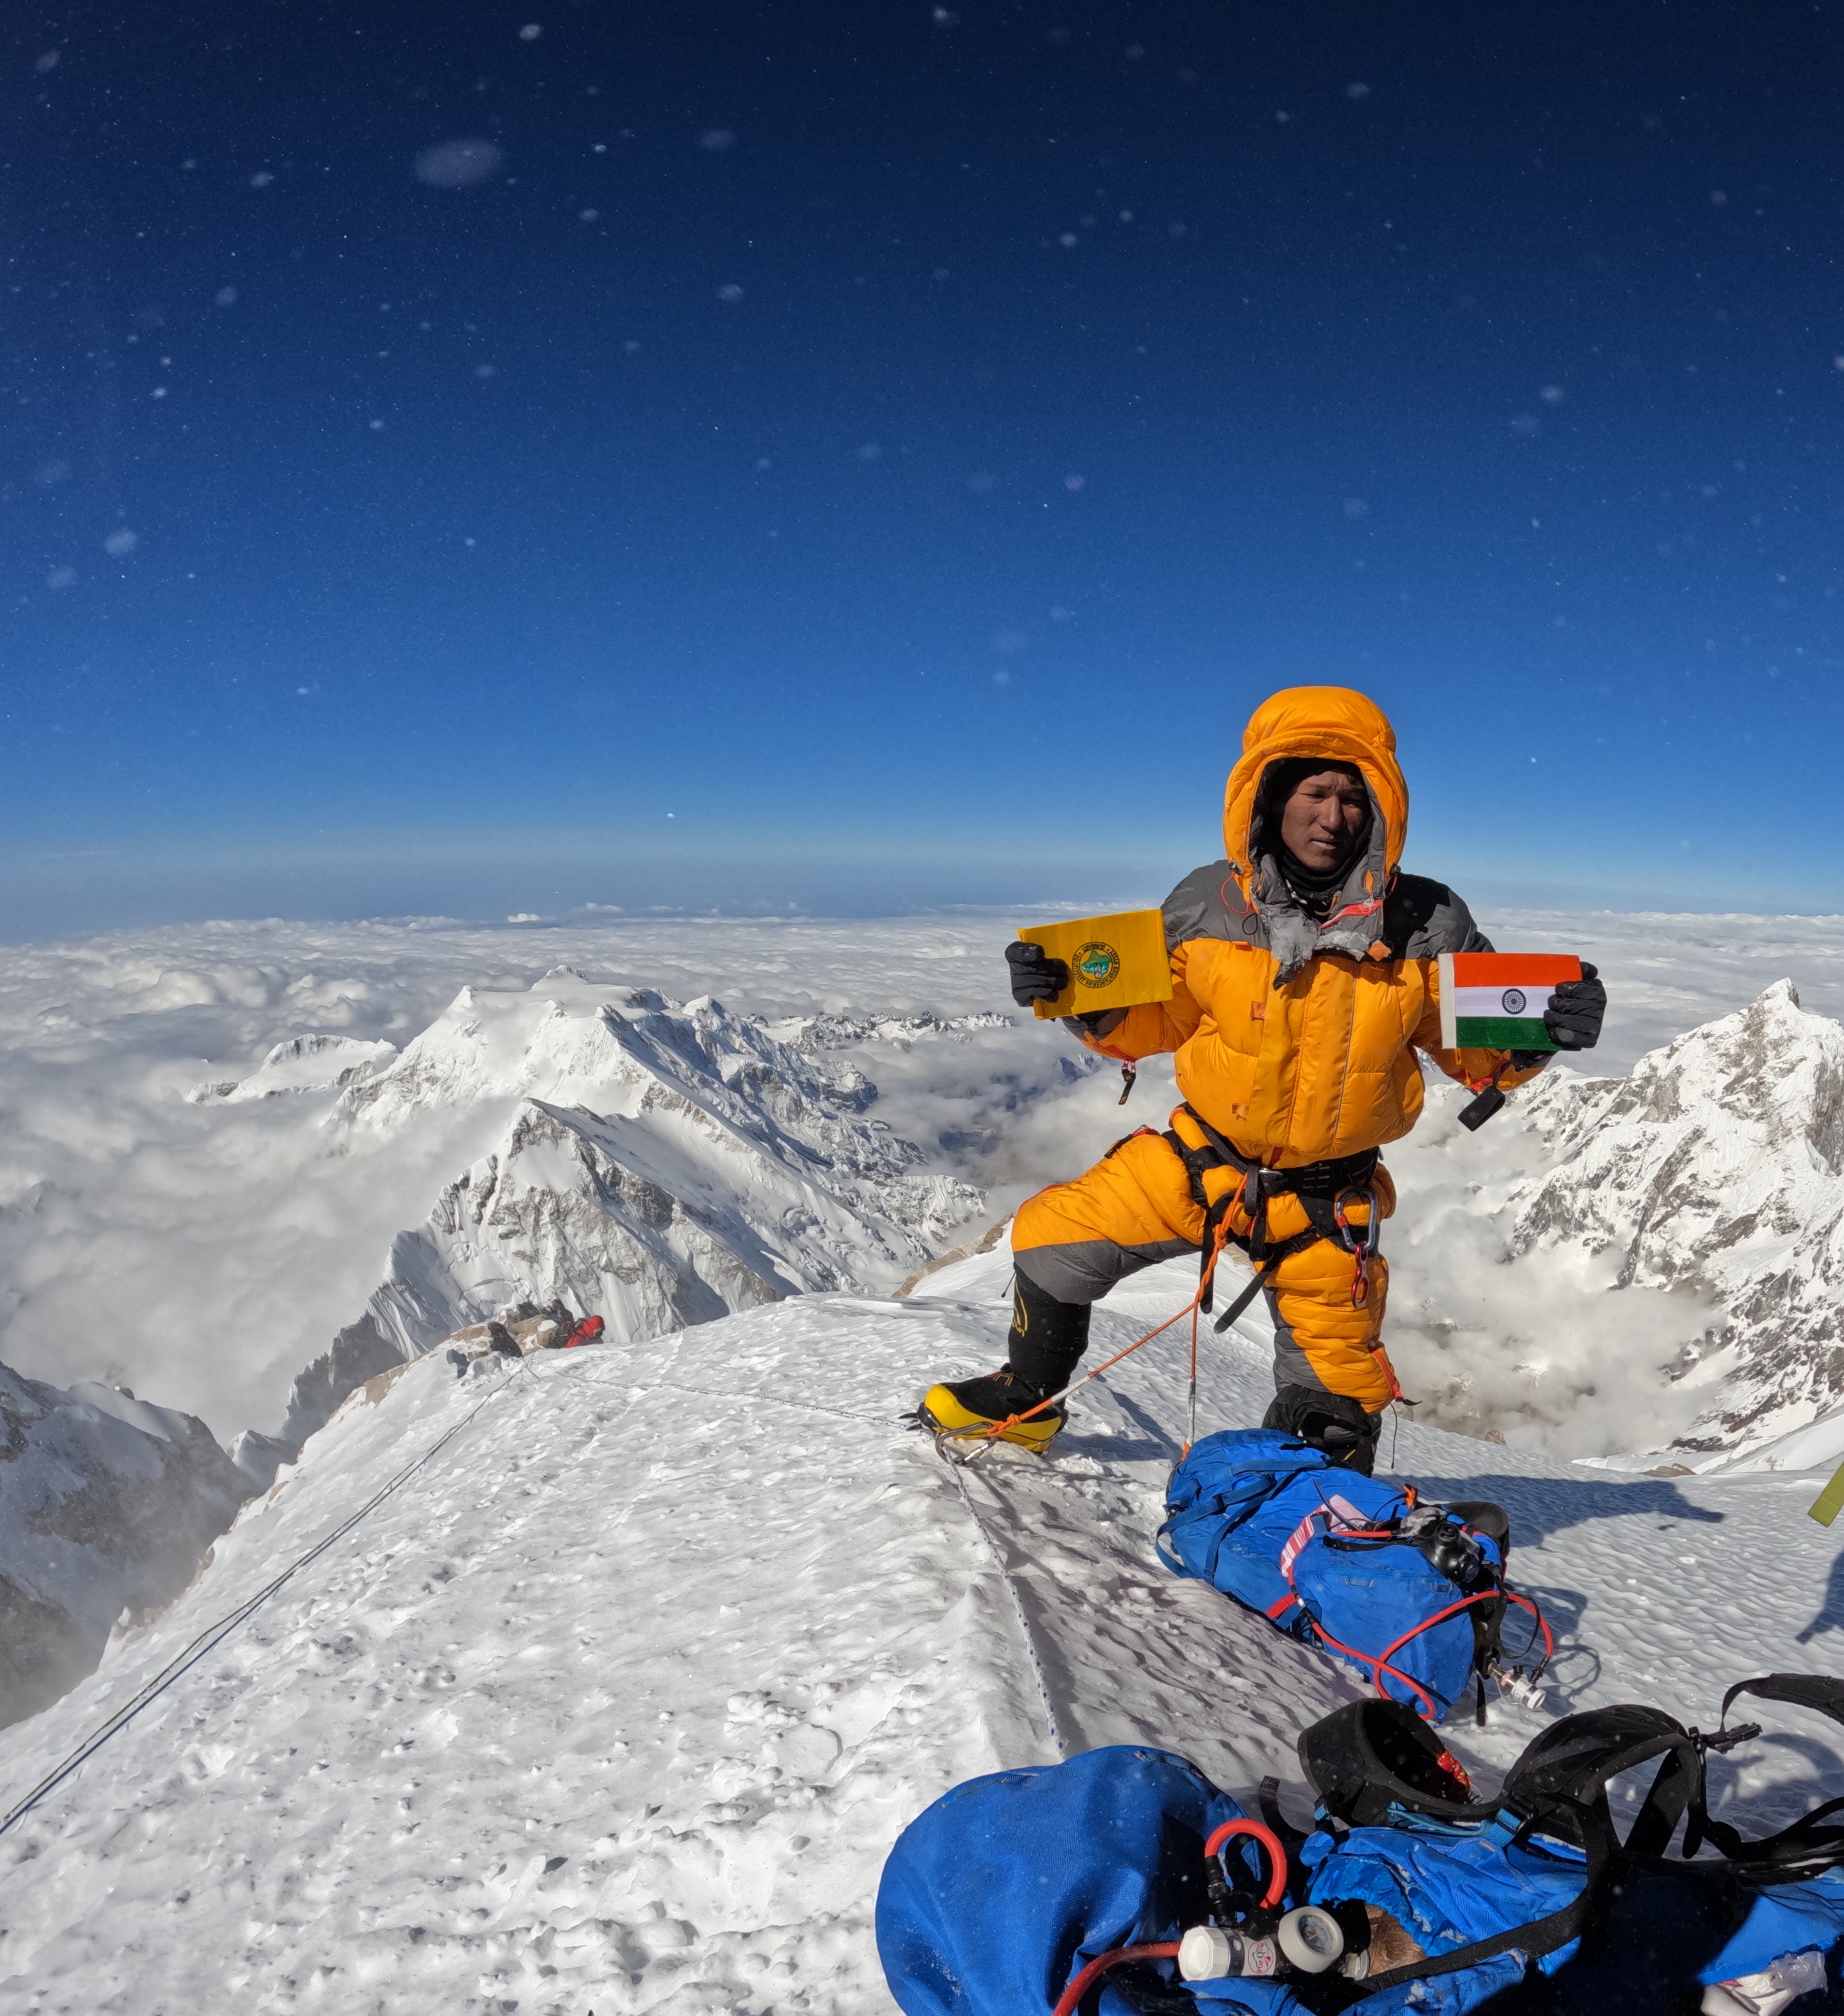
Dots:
pixel 1318 889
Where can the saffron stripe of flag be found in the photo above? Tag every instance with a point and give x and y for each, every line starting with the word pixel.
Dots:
pixel 1495 1000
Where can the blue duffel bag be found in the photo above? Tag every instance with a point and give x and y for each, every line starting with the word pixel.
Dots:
pixel 1412 1594
pixel 1123 1883
pixel 996 1899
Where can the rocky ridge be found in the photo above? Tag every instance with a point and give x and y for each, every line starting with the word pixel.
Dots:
pixel 106 1504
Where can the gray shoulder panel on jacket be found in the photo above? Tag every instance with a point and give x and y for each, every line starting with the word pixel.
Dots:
pixel 1207 904
pixel 1423 919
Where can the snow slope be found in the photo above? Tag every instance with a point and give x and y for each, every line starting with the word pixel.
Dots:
pixel 617 1703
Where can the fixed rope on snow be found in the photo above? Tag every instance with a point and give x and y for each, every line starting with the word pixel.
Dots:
pixel 214 1635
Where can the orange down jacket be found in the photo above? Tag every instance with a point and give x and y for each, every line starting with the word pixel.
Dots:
pixel 1325 1063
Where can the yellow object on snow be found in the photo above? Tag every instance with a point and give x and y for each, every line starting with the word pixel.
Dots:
pixel 1829 1502
pixel 942 1412
pixel 1118 961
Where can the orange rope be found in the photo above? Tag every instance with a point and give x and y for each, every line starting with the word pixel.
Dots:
pixel 992 1431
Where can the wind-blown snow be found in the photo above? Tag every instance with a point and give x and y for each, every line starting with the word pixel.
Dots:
pixel 619 1702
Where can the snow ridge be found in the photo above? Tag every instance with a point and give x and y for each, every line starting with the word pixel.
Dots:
pixel 619 1704
pixel 301 1063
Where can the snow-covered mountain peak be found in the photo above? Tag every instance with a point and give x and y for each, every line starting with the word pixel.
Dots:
pixel 555 1042
pixel 1769 1067
pixel 313 1063
pixel 574 1042
pixel 1737 1122
pixel 1774 1071
pixel 1714 1169
pixel 653 1163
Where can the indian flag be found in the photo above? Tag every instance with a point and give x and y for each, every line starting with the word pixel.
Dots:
pixel 1495 1000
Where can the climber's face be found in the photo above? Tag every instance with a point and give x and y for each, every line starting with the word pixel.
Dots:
pixel 1321 823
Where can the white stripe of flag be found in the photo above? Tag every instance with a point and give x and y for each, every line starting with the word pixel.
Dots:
pixel 1521 1004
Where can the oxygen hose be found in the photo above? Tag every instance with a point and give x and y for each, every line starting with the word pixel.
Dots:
pixel 1270 1840
pixel 1167 1949
pixel 1073 1994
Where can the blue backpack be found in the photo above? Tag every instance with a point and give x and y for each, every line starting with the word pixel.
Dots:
pixel 1412 1594
pixel 1072 1890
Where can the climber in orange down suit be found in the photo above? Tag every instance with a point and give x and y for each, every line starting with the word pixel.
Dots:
pixel 1303 986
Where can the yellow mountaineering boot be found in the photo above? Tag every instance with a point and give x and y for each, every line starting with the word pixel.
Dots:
pixel 978 1403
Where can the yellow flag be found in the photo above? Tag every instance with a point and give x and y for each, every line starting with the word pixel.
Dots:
pixel 1114 962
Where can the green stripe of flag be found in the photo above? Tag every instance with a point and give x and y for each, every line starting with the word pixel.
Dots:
pixel 1502 1032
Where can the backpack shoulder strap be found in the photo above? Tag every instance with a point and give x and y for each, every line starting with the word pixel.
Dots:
pixel 1560 1785
pixel 1807 1842
pixel 1814 1690
pixel 1573 1759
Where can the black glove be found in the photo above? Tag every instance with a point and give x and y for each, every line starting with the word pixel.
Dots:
pixel 1035 978
pixel 1575 1011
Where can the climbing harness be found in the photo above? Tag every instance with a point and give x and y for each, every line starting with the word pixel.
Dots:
pixel 1325 1190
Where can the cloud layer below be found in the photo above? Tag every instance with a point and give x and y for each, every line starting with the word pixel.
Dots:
pixel 201 1254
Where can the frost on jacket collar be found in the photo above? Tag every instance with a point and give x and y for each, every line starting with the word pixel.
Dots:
pixel 1341 727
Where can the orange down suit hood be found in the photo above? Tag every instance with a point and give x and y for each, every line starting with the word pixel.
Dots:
pixel 1332 721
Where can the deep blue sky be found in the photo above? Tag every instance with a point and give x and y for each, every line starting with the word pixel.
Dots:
pixel 855 454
